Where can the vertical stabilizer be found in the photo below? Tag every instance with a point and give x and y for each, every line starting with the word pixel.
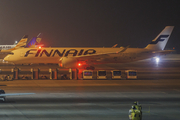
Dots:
pixel 160 41
pixel 21 43
pixel 34 41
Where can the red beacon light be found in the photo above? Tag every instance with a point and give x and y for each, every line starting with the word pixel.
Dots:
pixel 79 64
pixel 39 47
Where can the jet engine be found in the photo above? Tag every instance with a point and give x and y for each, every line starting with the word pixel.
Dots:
pixel 72 62
pixel 68 62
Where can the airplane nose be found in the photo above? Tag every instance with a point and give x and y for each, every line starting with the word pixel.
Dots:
pixel 6 58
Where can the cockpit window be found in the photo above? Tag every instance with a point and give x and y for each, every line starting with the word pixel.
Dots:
pixel 11 53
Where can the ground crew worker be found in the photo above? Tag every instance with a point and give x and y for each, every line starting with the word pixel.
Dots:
pixel 137 105
pixel 134 114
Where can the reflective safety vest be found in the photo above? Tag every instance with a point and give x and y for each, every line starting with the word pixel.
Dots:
pixel 135 114
pixel 138 107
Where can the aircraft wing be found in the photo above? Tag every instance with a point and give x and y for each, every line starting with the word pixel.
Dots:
pixel 11 94
pixel 96 57
pixel 93 57
pixel 100 55
pixel 163 52
pixel 114 45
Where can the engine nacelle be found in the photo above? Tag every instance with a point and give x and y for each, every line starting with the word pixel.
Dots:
pixel 68 62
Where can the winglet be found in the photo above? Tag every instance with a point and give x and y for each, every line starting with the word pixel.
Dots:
pixel 114 45
pixel 124 49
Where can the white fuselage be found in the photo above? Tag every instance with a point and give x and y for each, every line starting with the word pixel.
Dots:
pixel 70 57
pixel 53 55
pixel 6 47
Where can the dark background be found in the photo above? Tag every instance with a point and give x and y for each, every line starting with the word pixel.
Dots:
pixel 89 23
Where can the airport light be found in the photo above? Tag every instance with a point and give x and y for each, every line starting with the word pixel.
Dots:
pixel 157 60
pixel 79 64
pixel 61 65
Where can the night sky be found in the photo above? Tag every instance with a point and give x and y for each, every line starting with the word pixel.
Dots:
pixel 90 23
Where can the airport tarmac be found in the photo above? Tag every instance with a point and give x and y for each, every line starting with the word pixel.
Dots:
pixel 90 99
pixel 97 99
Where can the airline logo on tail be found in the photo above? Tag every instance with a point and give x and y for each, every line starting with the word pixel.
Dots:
pixel 160 41
pixel 21 43
pixel 160 38
pixel 34 41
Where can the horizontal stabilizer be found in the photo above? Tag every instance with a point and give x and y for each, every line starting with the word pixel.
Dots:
pixel 163 52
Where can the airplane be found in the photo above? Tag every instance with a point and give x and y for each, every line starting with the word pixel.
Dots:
pixel 22 44
pixel 34 41
pixel 6 47
pixel 87 57
pixel 3 95
pixel 16 45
